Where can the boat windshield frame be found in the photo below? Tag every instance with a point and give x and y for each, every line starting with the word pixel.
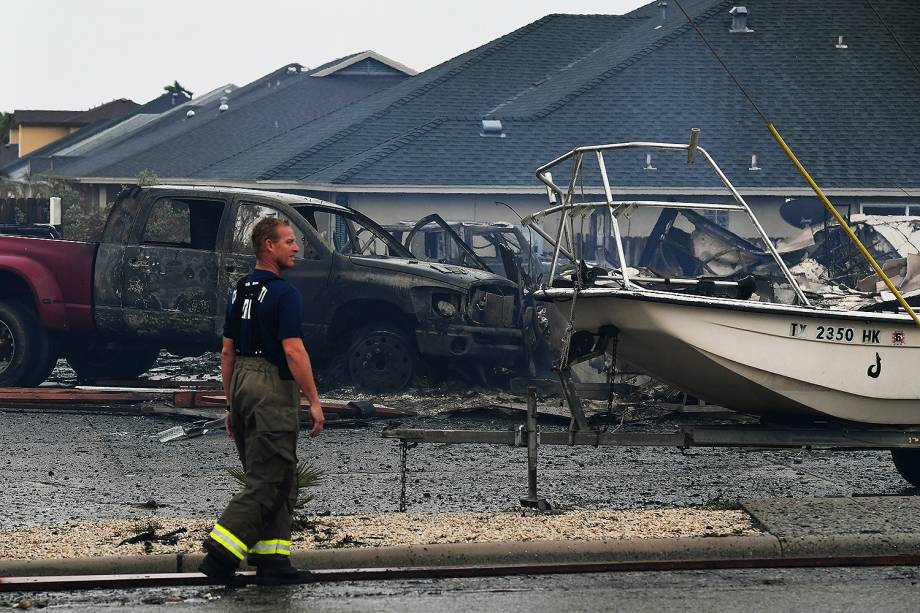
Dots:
pixel 568 209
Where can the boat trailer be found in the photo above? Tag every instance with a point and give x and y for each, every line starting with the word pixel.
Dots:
pixel 903 442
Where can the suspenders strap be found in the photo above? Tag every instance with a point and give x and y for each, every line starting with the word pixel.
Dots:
pixel 249 295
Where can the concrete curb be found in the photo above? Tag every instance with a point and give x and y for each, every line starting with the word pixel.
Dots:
pixel 693 548
pixel 764 546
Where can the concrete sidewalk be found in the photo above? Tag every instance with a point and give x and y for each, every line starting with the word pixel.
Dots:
pixel 794 528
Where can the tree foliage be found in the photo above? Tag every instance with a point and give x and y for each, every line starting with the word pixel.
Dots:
pixel 6 120
pixel 177 89
pixel 307 476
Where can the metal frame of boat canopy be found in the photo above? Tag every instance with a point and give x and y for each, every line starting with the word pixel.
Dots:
pixel 569 209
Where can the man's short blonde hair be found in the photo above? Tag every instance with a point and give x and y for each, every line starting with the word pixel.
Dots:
pixel 266 228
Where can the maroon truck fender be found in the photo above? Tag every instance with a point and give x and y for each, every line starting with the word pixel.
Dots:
pixel 63 301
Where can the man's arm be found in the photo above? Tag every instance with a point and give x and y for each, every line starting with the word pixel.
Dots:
pixel 227 361
pixel 299 364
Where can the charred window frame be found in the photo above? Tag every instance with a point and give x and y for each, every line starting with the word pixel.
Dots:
pixel 349 234
pixel 248 215
pixel 185 223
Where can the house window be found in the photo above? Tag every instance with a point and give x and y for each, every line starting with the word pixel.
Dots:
pixel 890 209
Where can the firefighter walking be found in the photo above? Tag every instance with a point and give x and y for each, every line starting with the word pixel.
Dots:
pixel 264 365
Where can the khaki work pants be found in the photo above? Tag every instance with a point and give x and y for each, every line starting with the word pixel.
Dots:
pixel 265 421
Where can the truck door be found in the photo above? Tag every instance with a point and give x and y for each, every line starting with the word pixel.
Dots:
pixel 310 274
pixel 170 270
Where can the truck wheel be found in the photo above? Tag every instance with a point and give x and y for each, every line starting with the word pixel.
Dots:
pixel 907 462
pixel 24 346
pixel 380 358
pixel 44 366
pixel 111 361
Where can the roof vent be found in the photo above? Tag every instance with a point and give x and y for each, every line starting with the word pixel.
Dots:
pixel 754 165
pixel 190 114
pixel 663 11
pixel 739 20
pixel 492 127
pixel 648 162
pixel 840 44
pixel 223 107
pixel 293 69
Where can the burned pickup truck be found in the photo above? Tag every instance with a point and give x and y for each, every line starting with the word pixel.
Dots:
pixel 170 255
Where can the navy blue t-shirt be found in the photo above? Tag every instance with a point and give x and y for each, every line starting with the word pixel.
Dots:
pixel 280 314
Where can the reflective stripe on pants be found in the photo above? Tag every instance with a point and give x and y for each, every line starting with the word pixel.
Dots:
pixel 230 542
pixel 271 547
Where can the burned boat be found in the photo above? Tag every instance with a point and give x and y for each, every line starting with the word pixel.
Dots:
pixel 728 339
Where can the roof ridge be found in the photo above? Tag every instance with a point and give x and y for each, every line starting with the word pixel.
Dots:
pixel 390 146
pixel 282 134
pixel 629 61
pixel 485 51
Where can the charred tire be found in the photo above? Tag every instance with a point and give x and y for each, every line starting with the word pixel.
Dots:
pixel 24 346
pixel 380 357
pixel 907 462
pixel 112 361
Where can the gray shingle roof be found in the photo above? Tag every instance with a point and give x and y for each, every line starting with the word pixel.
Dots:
pixel 567 80
pixel 182 146
pixel 155 106
pixel 44 118
pixel 109 110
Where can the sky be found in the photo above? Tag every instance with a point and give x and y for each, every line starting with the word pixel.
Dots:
pixel 77 54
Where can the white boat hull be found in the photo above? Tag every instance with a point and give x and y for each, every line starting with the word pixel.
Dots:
pixel 764 358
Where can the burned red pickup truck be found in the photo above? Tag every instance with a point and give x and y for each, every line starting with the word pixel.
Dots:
pixel 169 256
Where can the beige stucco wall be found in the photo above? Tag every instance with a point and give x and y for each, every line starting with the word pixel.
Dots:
pixel 35 137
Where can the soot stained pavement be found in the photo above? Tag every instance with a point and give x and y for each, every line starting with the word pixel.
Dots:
pixel 768 590
pixel 65 467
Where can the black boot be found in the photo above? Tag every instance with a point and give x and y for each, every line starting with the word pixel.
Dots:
pixel 277 570
pixel 219 565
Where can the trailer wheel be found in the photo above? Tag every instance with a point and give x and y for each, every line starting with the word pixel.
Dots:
pixel 112 361
pixel 24 346
pixel 381 357
pixel 907 462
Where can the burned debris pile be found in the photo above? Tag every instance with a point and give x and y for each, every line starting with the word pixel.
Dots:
pixel 827 266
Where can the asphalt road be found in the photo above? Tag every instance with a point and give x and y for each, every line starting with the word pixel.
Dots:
pixel 835 589
pixel 75 467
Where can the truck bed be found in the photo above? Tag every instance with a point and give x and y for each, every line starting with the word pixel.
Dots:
pixel 70 263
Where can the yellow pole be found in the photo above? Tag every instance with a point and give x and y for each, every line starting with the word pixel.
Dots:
pixel 842 222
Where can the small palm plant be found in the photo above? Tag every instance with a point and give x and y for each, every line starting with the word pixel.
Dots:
pixel 307 476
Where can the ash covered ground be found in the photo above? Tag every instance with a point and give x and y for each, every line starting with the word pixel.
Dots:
pixel 75 467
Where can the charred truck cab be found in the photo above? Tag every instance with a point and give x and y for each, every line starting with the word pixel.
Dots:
pixel 394 308
pixel 171 254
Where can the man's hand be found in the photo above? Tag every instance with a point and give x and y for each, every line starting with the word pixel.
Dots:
pixel 227 362
pixel 316 414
